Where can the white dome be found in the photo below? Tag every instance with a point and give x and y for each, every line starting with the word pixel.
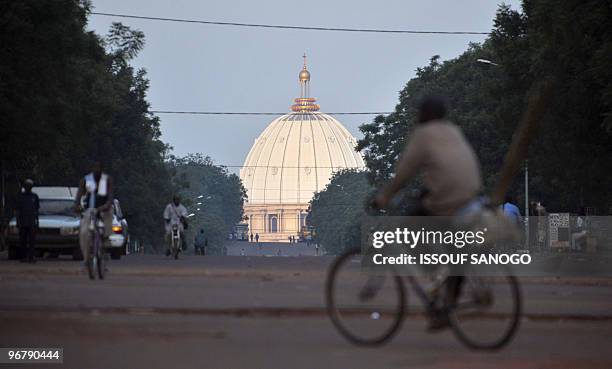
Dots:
pixel 295 156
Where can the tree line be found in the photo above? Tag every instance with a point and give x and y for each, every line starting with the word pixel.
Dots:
pixel 568 43
pixel 69 97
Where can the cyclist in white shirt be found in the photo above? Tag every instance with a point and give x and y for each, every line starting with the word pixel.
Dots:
pixel 174 213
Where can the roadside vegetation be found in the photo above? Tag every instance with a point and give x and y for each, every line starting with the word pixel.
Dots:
pixel 213 195
pixel 568 43
pixel 69 97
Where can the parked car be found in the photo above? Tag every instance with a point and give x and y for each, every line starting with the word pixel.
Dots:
pixel 120 237
pixel 58 226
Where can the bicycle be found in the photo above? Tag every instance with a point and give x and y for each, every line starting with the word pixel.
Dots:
pixel 175 241
pixel 96 260
pixel 467 303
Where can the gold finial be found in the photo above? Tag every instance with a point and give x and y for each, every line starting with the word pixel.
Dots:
pixel 304 103
pixel 304 74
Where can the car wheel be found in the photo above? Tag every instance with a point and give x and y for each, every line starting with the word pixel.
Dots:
pixel 115 253
pixel 77 254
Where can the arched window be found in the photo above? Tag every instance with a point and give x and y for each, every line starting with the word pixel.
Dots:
pixel 303 216
pixel 273 222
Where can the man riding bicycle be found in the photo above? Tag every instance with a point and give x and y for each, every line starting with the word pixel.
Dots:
pixel 96 189
pixel 451 174
pixel 175 214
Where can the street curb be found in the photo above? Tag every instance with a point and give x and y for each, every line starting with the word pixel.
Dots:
pixel 277 312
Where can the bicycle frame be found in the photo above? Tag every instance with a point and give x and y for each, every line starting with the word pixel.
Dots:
pixel 96 229
pixel 176 236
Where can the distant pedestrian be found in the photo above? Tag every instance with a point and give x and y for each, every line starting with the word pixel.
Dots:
pixel 27 220
pixel 257 237
pixel 251 237
pixel 199 242
pixel 538 223
pixel 511 210
pixel 289 239
pixel 242 252
pixel 579 232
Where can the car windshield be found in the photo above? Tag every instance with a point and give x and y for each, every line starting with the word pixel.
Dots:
pixel 56 207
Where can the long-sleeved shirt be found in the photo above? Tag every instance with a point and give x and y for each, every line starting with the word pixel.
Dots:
pixel 27 209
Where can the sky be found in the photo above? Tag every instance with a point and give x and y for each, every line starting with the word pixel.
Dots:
pixel 198 67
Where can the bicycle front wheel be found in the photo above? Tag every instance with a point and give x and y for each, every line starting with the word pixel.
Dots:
pixel 487 311
pixel 91 259
pixel 101 262
pixel 366 310
pixel 177 248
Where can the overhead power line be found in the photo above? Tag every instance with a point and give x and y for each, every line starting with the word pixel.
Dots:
pixel 338 167
pixel 305 28
pixel 258 113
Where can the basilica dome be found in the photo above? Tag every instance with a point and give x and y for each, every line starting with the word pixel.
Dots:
pixel 294 157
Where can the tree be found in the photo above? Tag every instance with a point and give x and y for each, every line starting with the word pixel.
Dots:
pixel 336 212
pixel 569 43
pixel 210 188
pixel 471 92
pixel 69 97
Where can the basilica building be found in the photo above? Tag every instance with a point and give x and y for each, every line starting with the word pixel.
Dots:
pixel 294 157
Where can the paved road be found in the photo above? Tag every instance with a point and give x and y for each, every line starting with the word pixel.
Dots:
pixel 266 312
pixel 239 248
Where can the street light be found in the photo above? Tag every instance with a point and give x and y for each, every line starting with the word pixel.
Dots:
pixel 199 203
pixel 487 61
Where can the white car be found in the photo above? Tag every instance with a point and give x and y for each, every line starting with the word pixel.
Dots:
pixel 58 226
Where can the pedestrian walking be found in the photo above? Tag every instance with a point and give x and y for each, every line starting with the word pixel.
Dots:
pixel 257 237
pixel 27 220
pixel 199 242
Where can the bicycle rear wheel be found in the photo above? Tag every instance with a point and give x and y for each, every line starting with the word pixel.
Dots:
pixel 176 249
pixel 91 265
pixel 487 312
pixel 366 310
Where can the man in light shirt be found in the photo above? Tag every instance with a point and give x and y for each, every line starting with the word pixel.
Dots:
pixel 174 214
pixel 451 174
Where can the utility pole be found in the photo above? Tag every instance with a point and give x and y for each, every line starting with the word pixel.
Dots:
pixel 3 205
pixel 526 204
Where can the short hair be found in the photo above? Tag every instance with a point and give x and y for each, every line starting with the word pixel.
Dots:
pixel 432 108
